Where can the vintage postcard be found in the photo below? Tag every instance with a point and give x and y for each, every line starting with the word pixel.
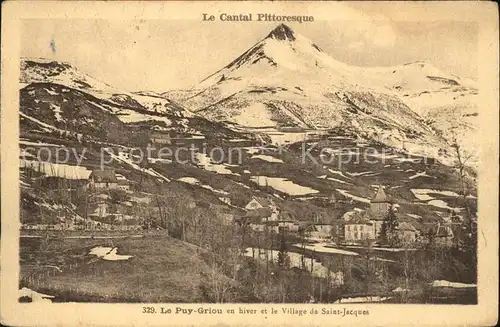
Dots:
pixel 249 163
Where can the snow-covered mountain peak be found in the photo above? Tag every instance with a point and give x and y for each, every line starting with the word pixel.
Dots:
pixel 280 53
pixel 283 33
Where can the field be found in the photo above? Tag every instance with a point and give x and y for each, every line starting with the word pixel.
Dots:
pixel 161 269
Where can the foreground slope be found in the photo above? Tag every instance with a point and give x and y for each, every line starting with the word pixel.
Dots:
pixel 153 269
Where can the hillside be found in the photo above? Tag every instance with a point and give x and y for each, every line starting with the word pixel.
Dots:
pixel 39 70
pixel 348 160
pixel 158 269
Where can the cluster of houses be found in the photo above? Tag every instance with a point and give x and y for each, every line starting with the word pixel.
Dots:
pixel 355 227
pixel 264 215
pixel 88 225
pixel 98 179
pixel 107 179
pixel 159 136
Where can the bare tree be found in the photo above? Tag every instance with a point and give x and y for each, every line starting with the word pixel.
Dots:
pixel 405 263
pixel 369 269
pixel 462 159
pixel 219 285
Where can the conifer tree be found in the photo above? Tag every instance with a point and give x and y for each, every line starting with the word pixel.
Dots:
pixel 283 258
pixel 388 232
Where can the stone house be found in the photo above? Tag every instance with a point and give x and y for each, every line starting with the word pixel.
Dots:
pixel 99 179
pixel 359 229
pixel 407 232
pixel 122 182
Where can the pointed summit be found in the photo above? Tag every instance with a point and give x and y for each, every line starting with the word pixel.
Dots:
pixel 282 32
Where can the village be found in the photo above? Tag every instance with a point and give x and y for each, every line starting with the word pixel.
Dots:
pixel 354 253
pixel 261 215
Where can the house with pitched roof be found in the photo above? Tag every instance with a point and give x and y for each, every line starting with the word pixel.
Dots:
pixel 160 138
pixel 407 232
pixel 319 231
pixel 264 205
pixel 103 179
pixel 259 202
pixel 443 234
pixel 448 234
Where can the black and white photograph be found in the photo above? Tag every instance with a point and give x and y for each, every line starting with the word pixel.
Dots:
pixel 249 157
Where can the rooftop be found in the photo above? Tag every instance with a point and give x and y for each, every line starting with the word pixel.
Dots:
pixel 380 196
pixel 263 201
pixel 106 175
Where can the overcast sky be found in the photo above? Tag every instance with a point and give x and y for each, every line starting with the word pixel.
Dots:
pixel 160 55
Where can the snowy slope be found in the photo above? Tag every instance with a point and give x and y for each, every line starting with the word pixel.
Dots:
pixel 448 103
pixel 286 80
pixel 39 70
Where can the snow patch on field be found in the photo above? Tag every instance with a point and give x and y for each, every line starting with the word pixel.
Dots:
pixel 57 111
pixel 382 249
pixel 160 160
pixel 423 195
pixel 51 92
pixel 426 191
pixel 361 173
pixel 46 127
pixel 339 181
pixel 442 204
pixel 35 296
pixel 108 253
pixel 252 149
pixel 338 172
pixel 421 174
pixel 194 181
pixel 131 116
pixel 414 160
pixel 267 158
pixel 238 140
pixel 57 170
pixel 207 164
pixel 24 142
pixel 282 184
pixel 445 283
pixel 323 248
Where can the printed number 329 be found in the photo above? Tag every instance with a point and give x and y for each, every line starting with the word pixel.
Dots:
pixel 148 310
